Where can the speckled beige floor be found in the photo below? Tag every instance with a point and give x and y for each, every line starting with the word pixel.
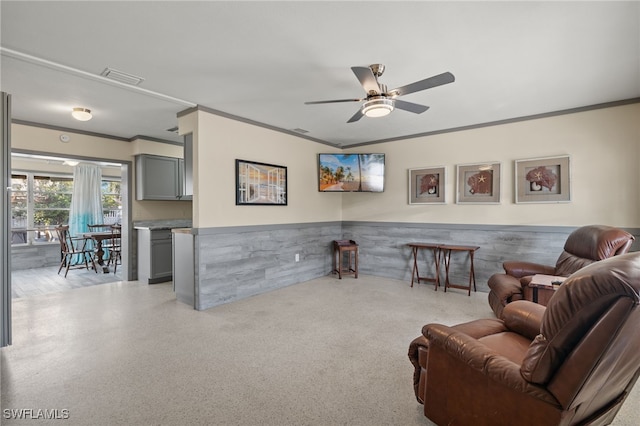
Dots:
pixel 324 352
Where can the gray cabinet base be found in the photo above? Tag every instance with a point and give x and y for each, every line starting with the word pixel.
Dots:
pixel 160 280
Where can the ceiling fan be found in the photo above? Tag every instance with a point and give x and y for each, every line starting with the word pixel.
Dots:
pixel 380 101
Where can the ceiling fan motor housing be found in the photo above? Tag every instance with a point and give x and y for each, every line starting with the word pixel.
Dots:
pixel 378 106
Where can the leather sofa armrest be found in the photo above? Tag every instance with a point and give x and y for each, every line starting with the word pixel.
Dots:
pixel 504 289
pixel 418 350
pixel 458 344
pixel 478 356
pixel 520 269
pixel 523 317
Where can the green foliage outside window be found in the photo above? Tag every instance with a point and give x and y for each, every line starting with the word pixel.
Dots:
pixel 52 200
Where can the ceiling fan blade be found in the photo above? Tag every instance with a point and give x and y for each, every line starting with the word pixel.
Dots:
pixel 427 83
pixel 357 116
pixel 367 79
pixel 410 106
pixel 332 101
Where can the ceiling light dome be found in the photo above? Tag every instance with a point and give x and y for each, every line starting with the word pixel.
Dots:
pixel 377 107
pixel 82 114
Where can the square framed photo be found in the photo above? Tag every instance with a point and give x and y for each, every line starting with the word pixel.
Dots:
pixel 543 180
pixel 426 185
pixel 260 184
pixel 478 183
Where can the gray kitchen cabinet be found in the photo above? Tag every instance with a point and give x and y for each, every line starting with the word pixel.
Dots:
pixel 155 259
pixel 158 177
pixel 163 178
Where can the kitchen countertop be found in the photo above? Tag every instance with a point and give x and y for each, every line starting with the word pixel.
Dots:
pixel 181 230
pixel 154 225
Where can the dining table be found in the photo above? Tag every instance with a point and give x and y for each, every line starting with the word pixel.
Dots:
pixel 99 237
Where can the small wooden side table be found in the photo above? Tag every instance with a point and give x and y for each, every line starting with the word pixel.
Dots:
pixel 447 249
pixel 340 248
pixel 415 247
pixel 542 287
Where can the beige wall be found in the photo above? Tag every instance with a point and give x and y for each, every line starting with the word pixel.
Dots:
pixel 220 141
pixel 47 141
pixel 604 146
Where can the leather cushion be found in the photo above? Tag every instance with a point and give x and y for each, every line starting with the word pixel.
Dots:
pixel 589 244
pixel 596 242
pixel 575 307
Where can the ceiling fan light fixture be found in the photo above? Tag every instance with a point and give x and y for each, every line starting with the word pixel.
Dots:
pixel 81 114
pixel 377 107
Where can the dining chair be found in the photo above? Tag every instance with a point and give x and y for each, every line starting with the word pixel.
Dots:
pixel 115 247
pixel 74 253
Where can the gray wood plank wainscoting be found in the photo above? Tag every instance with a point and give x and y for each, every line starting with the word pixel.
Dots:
pixel 232 263
pixel 35 256
pixel 383 250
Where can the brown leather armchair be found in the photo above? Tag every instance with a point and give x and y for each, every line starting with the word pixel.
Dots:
pixel 571 362
pixel 584 246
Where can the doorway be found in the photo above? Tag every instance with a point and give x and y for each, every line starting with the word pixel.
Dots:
pixel 40 200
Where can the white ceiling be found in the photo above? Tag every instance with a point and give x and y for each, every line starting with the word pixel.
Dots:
pixel 260 61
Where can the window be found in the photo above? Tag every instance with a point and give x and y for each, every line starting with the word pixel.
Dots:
pixel 51 200
pixel 18 201
pixel 40 202
pixel 111 201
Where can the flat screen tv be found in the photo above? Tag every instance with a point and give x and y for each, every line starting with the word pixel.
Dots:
pixel 351 172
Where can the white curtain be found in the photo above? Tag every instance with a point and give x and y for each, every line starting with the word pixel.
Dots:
pixel 86 201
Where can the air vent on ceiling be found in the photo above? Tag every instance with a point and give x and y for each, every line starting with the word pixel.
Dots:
pixel 173 129
pixel 122 77
pixel 299 130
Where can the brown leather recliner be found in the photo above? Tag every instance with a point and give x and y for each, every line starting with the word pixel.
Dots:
pixel 584 246
pixel 571 362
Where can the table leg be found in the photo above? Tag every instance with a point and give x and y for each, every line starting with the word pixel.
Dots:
pixel 436 260
pixel 355 253
pixel 415 272
pixel 472 274
pixel 99 255
pixel 415 265
pixel 446 255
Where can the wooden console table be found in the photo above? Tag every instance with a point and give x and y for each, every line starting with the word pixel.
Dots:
pixel 415 247
pixel 447 249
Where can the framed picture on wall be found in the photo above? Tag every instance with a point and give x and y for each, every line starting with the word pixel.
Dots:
pixel 478 183
pixel 543 180
pixel 260 184
pixel 426 185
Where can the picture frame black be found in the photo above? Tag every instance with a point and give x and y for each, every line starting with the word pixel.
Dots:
pixel 261 184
